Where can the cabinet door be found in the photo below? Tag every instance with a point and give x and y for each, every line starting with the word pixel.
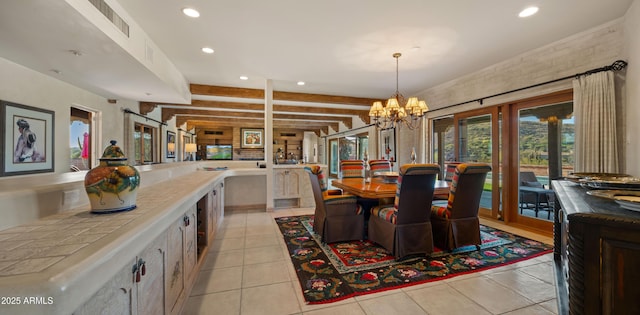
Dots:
pixel 190 248
pixel 293 184
pixel 150 289
pixel 174 273
pixel 213 213
pixel 115 297
pixel 280 183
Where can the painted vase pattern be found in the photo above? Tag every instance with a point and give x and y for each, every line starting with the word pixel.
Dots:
pixel 112 186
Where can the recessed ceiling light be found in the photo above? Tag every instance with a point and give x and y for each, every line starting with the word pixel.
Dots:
pixel 207 50
pixel 528 12
pixel 244 77
pixel 300 82
pixel 191 12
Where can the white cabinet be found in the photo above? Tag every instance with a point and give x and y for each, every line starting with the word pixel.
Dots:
pixel 115 297
pixel 181 259
pixel 292 188
pixel 286 183
pixel 136 289
pixel 150 286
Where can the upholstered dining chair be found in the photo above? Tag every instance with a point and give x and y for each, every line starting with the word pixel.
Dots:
pixel 379 166
pixel 404 228
pixel 450 169
pixel 352 169
pixel 457 224
pixel 337 217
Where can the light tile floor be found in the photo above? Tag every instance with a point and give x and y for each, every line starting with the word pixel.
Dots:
pixel 248 271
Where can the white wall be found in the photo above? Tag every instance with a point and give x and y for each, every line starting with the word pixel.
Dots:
pixel 591 49
pixel 25 86
pixel 632 111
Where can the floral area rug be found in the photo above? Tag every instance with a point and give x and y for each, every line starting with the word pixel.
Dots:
pixel 333 272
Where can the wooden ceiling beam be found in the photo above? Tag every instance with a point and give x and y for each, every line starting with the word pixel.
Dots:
pixel 279 108
pixel 168 113
pixel 254 123
pixel 213 90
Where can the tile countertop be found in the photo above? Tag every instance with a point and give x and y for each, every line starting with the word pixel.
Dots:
pixel 70 255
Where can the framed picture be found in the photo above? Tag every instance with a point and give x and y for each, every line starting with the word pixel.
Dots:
pixel 388 144
pixel 27 146
pixel 252 138
pixel 171 144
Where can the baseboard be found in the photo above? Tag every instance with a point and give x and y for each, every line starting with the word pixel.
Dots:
pixel 261 206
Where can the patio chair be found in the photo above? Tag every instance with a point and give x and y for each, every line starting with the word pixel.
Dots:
pixel 337 217
pixel 404 228
pixel 536 198
pixel 457 224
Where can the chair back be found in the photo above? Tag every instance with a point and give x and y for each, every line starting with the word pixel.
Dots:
pixel 379 166
pixel 529 179
pixel 414 192
pixel 352 168
pixel 317 185
pixel 466 190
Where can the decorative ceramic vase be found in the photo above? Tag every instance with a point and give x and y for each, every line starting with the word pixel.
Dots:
pixel 112 186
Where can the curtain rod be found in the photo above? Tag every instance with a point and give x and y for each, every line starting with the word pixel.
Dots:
pixel 128 111
pixel 616 66
pixel 191 133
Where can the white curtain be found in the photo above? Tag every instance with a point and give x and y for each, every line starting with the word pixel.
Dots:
pixel 595 114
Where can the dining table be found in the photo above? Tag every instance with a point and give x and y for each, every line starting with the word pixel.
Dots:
pixel 378 187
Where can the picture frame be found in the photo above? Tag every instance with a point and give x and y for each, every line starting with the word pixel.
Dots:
pixel 171 144
pixel 387 140
pixel 252 138
pixel 27 145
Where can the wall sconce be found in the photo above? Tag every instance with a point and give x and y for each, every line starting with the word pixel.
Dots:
pixel 190 148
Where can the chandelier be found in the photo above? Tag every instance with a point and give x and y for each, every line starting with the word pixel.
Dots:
pixel 393 114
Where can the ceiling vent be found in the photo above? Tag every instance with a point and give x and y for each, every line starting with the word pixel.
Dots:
pixel 108 12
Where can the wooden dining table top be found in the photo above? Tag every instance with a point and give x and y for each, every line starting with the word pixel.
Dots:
pixel 378 188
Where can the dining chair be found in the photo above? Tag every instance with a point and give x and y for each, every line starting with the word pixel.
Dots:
pixel 336 217
pixel 404 228
pixel 379 166
pixel 450 169
pixel 352 169
pixel 457 224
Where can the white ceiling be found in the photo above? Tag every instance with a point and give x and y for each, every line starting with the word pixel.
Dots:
pixel 338 47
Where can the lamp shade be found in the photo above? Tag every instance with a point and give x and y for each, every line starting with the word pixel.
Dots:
pixel 376 109
pixel 190 148
pixel 171 147
pixel 392 104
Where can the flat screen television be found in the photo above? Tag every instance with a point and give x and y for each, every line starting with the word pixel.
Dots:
pixel 219 152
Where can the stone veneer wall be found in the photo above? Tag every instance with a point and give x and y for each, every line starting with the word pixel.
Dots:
pixel 590 49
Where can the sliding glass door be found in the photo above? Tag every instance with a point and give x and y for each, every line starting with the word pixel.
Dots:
pixel 471 137
pixel 477 140
pixel 538 147
pixel 545 150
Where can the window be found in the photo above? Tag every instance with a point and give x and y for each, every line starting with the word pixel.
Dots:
pixel 80 139
pixel 144 140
